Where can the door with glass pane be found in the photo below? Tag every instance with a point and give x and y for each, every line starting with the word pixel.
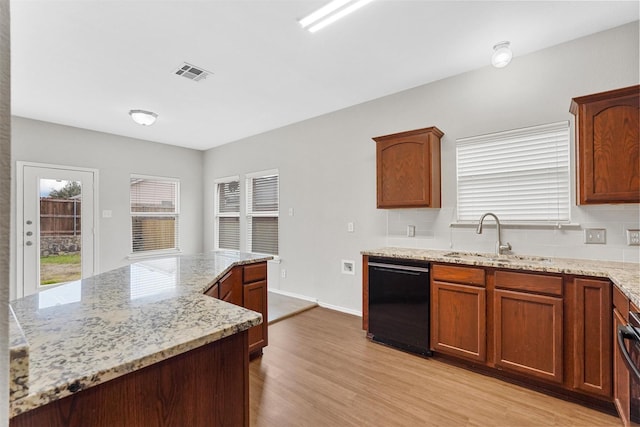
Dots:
pixel 55 226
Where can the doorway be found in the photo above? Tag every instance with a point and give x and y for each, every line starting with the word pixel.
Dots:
pixel 55 217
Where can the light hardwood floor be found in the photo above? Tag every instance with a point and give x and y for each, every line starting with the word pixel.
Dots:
pixel 320 370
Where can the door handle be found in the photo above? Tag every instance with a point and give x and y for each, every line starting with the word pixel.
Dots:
pixel 625 332
pixel 29 243
pixel 29 233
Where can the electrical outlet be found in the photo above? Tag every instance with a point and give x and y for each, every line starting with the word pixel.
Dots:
pixel 283 273
pixel 633 237
pixel 595 236
pixel 350 227
pixel 411 231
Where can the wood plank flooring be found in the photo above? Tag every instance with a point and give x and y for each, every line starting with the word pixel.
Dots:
pixel 320 370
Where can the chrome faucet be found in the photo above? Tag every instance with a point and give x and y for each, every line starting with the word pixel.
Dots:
pixel 500 247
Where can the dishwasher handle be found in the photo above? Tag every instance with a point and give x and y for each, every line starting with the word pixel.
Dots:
pixel 627 333
pixel 403 268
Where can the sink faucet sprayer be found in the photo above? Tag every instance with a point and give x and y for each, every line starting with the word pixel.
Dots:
pixel 499 246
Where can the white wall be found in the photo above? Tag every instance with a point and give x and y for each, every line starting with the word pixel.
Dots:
pixel 116 158
pixel 5 216
pixel 327 165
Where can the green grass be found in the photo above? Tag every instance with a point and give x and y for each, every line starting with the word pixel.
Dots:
pixel 61 259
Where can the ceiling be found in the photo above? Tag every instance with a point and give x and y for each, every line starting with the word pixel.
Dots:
pixel 87 63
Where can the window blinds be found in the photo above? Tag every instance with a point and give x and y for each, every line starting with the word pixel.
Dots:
pixel 228 215
pixel 262 214
pixel 520 175
pixel 154 214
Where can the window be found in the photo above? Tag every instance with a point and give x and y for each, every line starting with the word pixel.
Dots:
pixel 227 213
pixel 520 175
pixel 154 213
pixel 262 212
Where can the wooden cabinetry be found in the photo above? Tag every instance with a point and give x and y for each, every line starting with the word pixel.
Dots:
pixel 408 169
pixel 592 336
pixel 528 324
pixel 255 298
pixel 621 395
pixel 246 286
pixel 458 311
pixel 608 146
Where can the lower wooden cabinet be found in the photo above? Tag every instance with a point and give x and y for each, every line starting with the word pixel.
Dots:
pixel 552 330
pixel 254 290
pixel 528 334
pixel 592 340
pixel 458 320
pixel 246 286
pixel 621 382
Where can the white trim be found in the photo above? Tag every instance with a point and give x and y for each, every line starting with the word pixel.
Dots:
pixel 341 309
pixel 293 295
pixel 262 174
pixel 320 303
pixel 226 179
pixel 20 165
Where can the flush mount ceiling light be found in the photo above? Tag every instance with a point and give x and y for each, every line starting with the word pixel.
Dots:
pixel 501 55
pixel 142 117
pixel 330 13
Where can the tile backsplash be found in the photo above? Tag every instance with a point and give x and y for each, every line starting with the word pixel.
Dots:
pixel 433 230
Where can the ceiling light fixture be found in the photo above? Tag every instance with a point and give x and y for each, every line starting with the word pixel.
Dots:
pixel 501 55
pixel 142 117
pixel 330 13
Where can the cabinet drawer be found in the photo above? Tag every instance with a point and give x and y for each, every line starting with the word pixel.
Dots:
pixel 458 274
pixel 529 282
pixel 621 302
pixel 255 272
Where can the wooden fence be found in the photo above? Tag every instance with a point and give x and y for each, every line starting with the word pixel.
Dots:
pixel 60 217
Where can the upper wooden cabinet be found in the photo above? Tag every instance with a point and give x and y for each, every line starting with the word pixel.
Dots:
pixel 608 146
pixel 408 169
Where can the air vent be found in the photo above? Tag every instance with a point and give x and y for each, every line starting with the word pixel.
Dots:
pixel 191 72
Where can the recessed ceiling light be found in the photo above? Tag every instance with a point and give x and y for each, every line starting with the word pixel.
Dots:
pixel 330 13
pixel 142 117
pixel 501 55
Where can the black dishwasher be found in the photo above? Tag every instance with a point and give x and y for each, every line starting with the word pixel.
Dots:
pixel 399 303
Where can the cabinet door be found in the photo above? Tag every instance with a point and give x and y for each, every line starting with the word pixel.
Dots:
pixel 408 169
pixel 528 334
pixel 592 340
pixel 458 320
pixel 255 298
pixel 608 146
pixel 230 287
pixel 621 396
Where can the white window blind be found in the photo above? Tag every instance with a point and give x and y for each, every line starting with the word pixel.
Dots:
pixel 520 175
pixel 154 213
pixel 262 213
pixel 227 213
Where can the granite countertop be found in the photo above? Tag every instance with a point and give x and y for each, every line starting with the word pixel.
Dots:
pixel 83 333
pixel 625 275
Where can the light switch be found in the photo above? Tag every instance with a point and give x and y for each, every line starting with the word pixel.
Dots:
pixel 595 236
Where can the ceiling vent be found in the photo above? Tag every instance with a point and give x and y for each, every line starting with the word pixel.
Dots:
pixel 191 72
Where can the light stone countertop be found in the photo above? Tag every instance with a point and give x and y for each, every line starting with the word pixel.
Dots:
pixel 83 333
pixel 626 276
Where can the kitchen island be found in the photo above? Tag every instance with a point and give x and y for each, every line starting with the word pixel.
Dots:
pixel 138 345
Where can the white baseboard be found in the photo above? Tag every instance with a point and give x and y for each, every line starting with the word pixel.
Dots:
pixel 341 309
pixel 320 303
pixel 293 295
